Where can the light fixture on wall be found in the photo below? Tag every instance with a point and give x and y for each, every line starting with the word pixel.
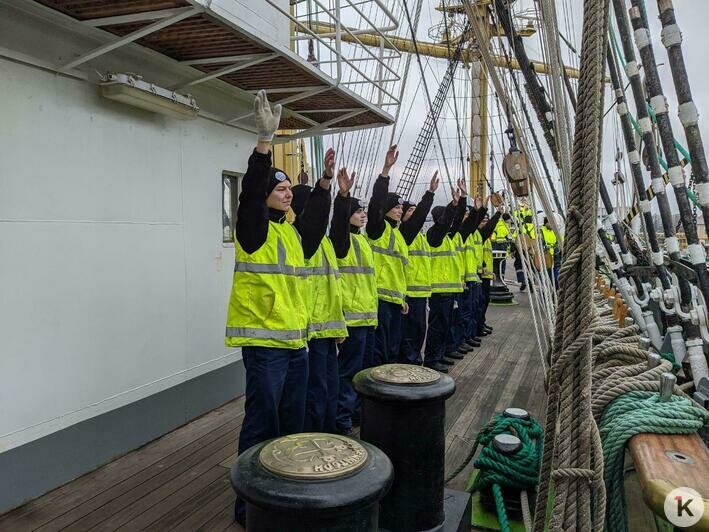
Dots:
pixel 132 90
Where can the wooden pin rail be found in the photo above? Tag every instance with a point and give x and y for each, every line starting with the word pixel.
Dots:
pixel 664 462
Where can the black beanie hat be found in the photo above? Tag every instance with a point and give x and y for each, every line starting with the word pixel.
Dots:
pixel 506 216
pixel 392 201
pixel 301 193
pixel 275 176
pixel 437 212
pixel 355 205
pixel 408 205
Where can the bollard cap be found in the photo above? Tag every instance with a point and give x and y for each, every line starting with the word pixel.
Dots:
pixel 644 342
pixel 519 413
pixel 629 321
pixel 392 384
pixel 667 384
pixel 507 443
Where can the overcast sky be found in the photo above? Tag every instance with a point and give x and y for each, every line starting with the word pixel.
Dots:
pixel 569 12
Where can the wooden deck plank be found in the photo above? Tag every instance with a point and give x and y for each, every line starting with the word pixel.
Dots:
pixel 134 498
pixel 43 509
pixel 180 481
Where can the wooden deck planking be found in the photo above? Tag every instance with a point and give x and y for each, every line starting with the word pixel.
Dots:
pixel 180 481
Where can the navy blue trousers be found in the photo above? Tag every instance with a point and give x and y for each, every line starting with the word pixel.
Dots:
pixel 461 310
pixel 275 397
pixel 484 302
pixel 471 327
pixel 387 336
pixel 414 331
pixel 350 361
pixel 323 380
pixel 440 314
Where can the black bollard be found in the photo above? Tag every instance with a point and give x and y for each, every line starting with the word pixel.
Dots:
pixel 312 482
pixel 403 414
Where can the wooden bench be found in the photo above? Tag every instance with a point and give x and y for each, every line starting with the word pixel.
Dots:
pixel 664 462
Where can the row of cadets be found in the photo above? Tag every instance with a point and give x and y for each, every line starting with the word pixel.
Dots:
pixel 446 281
pixel 418 275
pixel 467 326
pixel 269 307
pixel 358 282
pixel 391 255
pixel 482 248
pixel 326 324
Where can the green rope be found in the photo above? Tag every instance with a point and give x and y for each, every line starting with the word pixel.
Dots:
pixel 670 356
pixel 519 471
pixel 635 413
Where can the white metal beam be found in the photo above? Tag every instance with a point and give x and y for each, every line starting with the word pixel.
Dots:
pixel 320 127
pixel 228 70
pixel 133 17
pixel 178 16
pixel 220 59
pixel 290 99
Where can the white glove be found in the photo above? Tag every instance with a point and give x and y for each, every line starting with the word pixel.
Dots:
pixel 266 118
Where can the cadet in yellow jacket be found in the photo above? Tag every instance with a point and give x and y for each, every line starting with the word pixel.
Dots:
pixel 326 323
pixel 391 255
pixel 418 275
pixel 445 283
pixel 268 308
pixel 550 251
pixel 359 294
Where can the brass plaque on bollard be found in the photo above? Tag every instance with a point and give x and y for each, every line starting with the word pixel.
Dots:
pixel 313 456
pixel 405 374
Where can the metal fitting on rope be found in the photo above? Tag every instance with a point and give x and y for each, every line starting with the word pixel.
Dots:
pixel 658 258
pixel 612 218
pixel 697 255
pixel 671 35
pixel 642 37
pixel 676 176
pixel 628 258
pixel 645 124
pixel 702 190
pixel 653 360
pixel 644 343
pixel 653 331
pixel 658 185
pixel 672 244
pixel 631 68
pixel 644 205
pixel 667 384
pixel 677 342
pixel 688 114
pixel 634 157
pixel 659 104
pixel 622 109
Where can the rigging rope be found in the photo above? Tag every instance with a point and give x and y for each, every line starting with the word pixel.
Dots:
pixel 573 457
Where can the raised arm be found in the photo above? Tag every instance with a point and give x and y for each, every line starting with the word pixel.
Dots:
pixel 251 229
pixel 411 227
pixel 312 223
pixel 377 203
pixel 340 226
pixel 489 228
pixel 438 231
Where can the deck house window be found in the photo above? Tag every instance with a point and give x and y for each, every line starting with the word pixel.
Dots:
pixel 230 201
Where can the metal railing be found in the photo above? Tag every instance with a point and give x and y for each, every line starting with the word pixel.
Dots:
pixel 354 65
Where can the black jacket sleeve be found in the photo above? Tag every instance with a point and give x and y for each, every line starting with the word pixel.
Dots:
pixel 438 231
pixel 251 228
pixel 457 217
pixel 470 225
pixel 489 228
pixel 312 222
pixel 340 227
pixel 410 228
pixel 377 204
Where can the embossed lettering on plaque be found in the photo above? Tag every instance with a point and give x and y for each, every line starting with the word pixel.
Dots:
pixel 405 374
pixel 313 455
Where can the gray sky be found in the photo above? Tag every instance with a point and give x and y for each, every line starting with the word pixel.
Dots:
pixel 569 13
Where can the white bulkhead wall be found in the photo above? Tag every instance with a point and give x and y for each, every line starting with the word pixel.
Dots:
pixel 115 280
